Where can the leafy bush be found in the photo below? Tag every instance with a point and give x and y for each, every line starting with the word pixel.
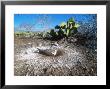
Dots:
pixel 65 29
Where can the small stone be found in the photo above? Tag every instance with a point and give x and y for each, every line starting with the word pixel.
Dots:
pixel 26 52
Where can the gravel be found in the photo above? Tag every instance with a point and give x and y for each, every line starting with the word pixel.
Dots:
pixel 75 60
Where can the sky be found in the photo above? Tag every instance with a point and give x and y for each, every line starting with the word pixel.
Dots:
pixel 41 22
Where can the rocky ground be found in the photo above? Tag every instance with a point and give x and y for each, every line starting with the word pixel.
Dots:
pixel 74 59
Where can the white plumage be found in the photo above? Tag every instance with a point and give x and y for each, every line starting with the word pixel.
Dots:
pixel 52 50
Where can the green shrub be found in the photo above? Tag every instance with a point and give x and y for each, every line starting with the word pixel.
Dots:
pixel 65 29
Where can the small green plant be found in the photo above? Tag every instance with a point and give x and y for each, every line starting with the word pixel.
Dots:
pixel 52 34
pixel 70 27
pixel 65 29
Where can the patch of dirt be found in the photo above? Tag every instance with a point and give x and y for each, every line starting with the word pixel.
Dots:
pixel 76 60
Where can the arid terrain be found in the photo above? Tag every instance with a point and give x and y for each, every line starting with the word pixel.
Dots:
pixel 73 60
